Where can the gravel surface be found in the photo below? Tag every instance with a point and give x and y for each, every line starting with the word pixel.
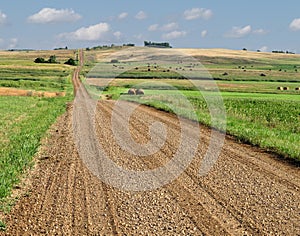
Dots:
pixel 247 192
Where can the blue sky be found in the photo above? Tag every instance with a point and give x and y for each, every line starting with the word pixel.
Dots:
pixel 264 25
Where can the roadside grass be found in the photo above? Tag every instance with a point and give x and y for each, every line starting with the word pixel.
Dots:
pixel 261 121
pixel 24 123
pixel 25 120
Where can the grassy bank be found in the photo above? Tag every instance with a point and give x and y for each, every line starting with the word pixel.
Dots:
pixel 270 123
pixel 24 122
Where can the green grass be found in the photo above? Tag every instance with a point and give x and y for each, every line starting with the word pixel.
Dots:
pixel 2 226
pixel 25 120
pixel 257 112
pixel 24 123
pixel 270 121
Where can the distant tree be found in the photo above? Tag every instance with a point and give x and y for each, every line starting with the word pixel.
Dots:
pixel 52 59
pixel 244 49
pixel 71 62
pixel 39 60
pixel 114 61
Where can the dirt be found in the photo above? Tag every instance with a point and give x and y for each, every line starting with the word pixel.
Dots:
pixel 23 92
pixel 247 191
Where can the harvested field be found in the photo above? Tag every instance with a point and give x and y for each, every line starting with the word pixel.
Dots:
pixel 22 92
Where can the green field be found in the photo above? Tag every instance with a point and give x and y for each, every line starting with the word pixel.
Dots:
pixel 257 112
pixel 25 119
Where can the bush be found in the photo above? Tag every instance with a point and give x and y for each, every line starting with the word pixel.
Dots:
pixel 71 62
pixel 39 60
pixel 114 61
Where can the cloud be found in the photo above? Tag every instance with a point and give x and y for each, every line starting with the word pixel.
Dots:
pixel 139 36
pixel 173 35
pixel 52 15
pixel 169 27
pixel 196 13
pixel 123 15
pixel 263 49
pixel 203 33
pixel 259 31
pixel 141 15
pixel 166 27
pixel 13 43
pixel 153 27
pixel 3 18
pixel 295 24
pixel 117 34
pixel 90 33
pixel 239 32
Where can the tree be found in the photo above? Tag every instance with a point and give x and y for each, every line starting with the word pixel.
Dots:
pixel 39 60
pixel 52 59
pixel 71 62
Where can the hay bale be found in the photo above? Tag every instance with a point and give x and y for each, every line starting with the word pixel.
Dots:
pixel 279 88
pixel 140 92
pixel 131 91
pixel 297 89
pixel 286 88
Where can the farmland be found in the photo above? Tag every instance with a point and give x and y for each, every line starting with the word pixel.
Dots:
pixel 25 119
pixel 257 112
pixel 240 195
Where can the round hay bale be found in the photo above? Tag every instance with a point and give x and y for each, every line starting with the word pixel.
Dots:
pixel 279 88
pixel 131 91
pixel 140 92
pixel 297 89
pixel 286 88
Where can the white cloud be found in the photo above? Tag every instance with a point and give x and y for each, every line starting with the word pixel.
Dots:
pixel 141 15
pixel 153 27
pixel 52 15
pixel 263 49
pixel 260 31
pixel 117 34
pixel 295 24
pixel 196 13
pixel 13 43
pixel 3 18
pixel 204 33
pixel 138 36
pixel 239 32
pixel 173 35
pixel 123 15
pixel 91 33
pixel 169 27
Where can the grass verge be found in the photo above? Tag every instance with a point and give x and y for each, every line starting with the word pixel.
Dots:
pixel 24 123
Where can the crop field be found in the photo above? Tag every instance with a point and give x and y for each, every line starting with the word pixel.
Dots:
pixel 257 111
pixel 26 118
pixel 18 70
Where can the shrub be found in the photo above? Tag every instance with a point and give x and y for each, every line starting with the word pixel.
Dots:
pixel 71 62
pixel 39 60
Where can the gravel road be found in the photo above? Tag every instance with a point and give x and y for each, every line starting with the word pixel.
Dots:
pixel 247 192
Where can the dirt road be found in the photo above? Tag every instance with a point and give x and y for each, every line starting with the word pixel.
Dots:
pixel 247 192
